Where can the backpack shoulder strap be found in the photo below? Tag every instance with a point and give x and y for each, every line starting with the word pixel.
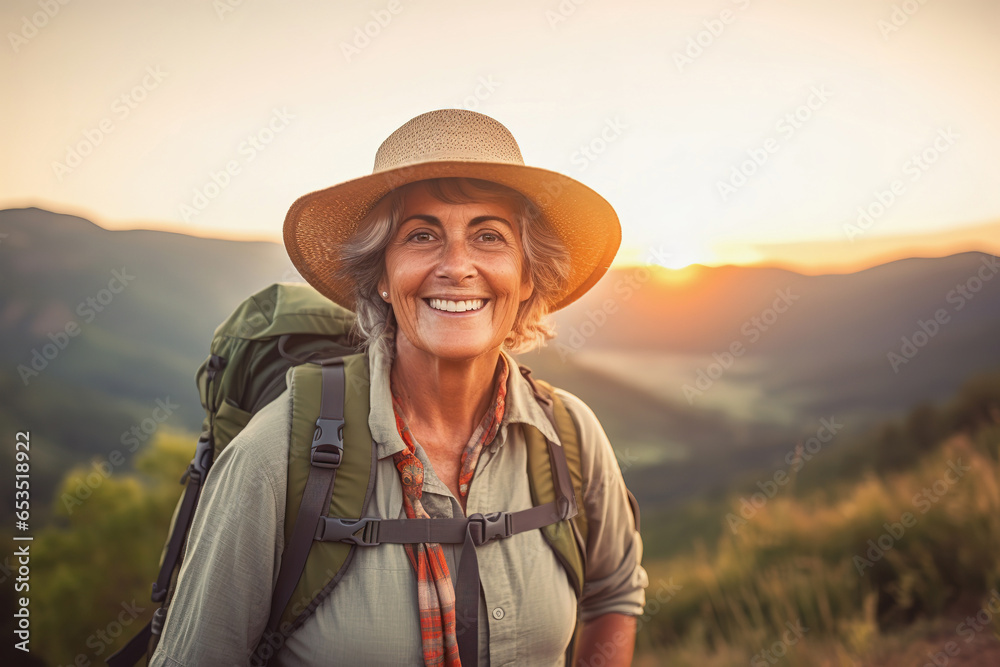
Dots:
pixel 568 432
pixel 567 538
pixel 327 475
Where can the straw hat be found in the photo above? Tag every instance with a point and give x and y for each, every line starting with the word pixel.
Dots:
pixel 444 143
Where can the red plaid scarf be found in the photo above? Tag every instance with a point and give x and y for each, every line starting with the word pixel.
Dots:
pixel 435 591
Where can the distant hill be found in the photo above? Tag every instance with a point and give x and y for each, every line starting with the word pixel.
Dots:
pixel 627 348
pixel 144 345
pixel 834 338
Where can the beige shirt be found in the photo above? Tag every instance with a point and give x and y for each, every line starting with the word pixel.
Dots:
pixel 528 609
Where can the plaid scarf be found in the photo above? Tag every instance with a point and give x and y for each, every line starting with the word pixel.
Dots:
pixel 435 591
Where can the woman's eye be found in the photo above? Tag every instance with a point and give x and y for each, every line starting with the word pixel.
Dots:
pixel 490 237
pixel 420 237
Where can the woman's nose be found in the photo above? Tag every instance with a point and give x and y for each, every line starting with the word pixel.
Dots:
pixel 456 261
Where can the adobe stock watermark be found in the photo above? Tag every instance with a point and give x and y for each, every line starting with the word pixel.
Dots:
pixel 796 459
pixel 121 108
pixel 704 39
pixel 272 641
pixel 914 168
pixel 910 346
pixel 102 639
pixel 973 625
pixel 898 17
pixel 923 501
pixel 587 153
pixel 666 590
pixel 562 12
pixel 30 26
pixel 225 7
pixel 248 150
pixel 88 309
pixel 752 329
pixel 608 650
pixel 85 486
pixel 485 87
pixel 786 128
pixel 365 34
pixel 624 289
pixel 968 630
pixel 779 649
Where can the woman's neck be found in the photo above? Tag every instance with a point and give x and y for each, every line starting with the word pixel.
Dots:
pixel 443 400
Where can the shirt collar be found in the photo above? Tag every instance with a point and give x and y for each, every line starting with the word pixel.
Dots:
pixel 521 406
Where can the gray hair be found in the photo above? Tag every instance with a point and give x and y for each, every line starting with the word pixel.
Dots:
pixel 546 260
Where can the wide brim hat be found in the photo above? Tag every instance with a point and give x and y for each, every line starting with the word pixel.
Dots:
pixel 451 143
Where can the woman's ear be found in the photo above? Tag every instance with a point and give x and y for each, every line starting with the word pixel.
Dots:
pixel 383 289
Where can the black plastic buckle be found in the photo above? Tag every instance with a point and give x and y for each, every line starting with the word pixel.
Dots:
pixel 159 616
pixel 489 527
pixel 201 462
pixel 328 443
pixel 369 531
pixel 159 594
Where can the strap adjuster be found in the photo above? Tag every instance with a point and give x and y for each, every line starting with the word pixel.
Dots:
pixel 328 443
pixel 159 617
pixel 484 528
pixel 346 530
pixel 202 461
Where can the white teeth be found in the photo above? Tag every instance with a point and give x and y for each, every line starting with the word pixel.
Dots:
pixel 456 306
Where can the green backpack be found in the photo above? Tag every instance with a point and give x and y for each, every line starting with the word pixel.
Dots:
pixel 331 467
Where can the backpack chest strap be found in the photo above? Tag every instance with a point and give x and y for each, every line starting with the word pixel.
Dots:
pixel 471 532
pixel 482 528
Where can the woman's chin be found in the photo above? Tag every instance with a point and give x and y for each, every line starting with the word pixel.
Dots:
pixel 456 347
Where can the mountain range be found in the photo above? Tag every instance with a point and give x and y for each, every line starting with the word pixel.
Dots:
pixel 699 375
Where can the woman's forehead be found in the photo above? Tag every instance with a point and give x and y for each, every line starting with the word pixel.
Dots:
pixel 425 200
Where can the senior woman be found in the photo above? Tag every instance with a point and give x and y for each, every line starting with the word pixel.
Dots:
pixel 451 253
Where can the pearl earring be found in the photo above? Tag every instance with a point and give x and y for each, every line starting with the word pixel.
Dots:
pixel 385 294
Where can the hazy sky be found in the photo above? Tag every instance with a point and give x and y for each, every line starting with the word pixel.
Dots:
pixel 124 111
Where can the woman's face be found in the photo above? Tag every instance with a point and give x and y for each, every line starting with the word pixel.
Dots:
pixel 454 275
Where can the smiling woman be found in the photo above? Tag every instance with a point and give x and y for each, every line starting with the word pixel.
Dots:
pixel 516 231
pixel 451 254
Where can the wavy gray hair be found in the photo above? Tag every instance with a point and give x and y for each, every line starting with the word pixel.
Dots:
pixel 546 260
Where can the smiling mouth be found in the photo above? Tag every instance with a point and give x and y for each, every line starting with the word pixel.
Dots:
pixel 447 306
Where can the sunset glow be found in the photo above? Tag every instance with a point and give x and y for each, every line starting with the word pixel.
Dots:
pixel 816 135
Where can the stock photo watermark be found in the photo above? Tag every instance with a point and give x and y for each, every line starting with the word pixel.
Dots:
pixel 969 630
pixel 786 128
pixel 101 639
pixel 925 331
pixel 587 153
pixel 102 470
pixel 752 329
pixel 704 39
pixel 248 150
pixel 899 17
pixel 924 501
pixel 913 169
pixel 562 12
pixel 796 459
pixel 779 649
pixel 31 25
pixel 624 289
pixel 88 309
pixel 121 108
pixel 370 30
pixel 225 7
pixel 485 87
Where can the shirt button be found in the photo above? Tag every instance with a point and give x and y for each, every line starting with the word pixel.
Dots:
pixel 498 613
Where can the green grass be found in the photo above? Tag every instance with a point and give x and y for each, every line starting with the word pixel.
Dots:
pixel 799 560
